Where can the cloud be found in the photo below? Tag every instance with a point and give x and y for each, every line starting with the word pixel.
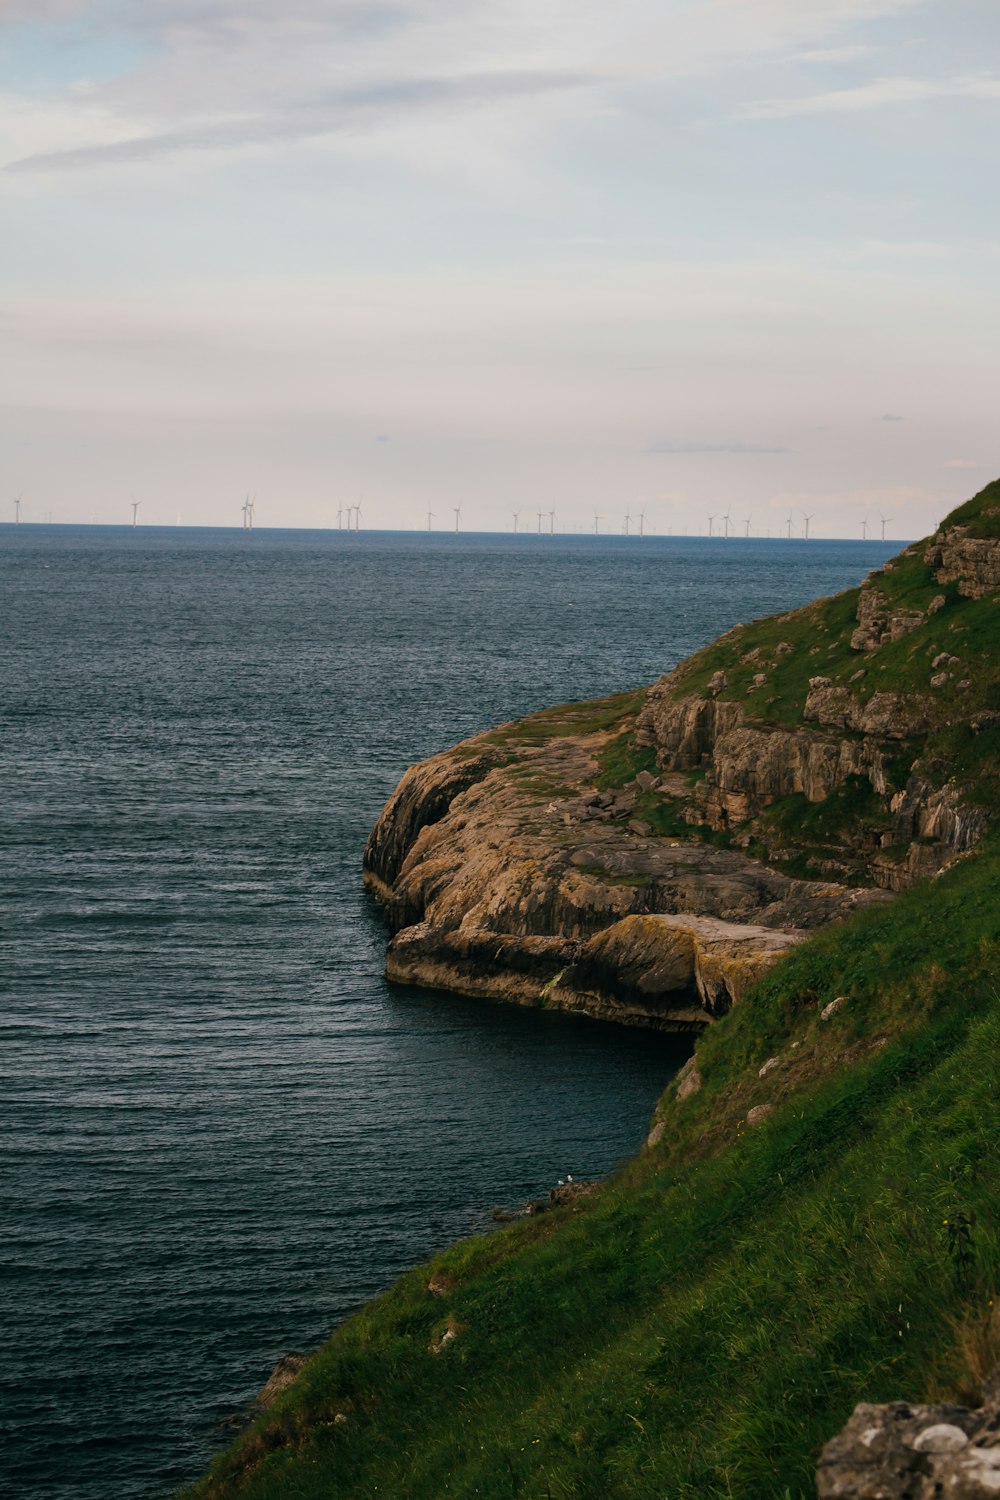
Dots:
pixel 876 95
pixel 341 110
pixel 730 447
pixel 962 463
pixel 888 417
pixel 831 54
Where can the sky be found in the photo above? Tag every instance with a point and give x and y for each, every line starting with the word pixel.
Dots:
pixel 677 257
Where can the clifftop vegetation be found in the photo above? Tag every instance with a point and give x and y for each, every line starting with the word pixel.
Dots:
pixel 813 1220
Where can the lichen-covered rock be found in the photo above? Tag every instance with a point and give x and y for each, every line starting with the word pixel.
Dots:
pixel 285 1371
pixel 879 623
pixel 906 1452
pixel 501 893
pixel 971 562
pixel 688 1080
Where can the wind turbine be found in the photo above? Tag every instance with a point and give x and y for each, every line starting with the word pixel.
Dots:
pixel 597 525
pixel 552 523
pixel 430 517
pixel 357 516
pixel 248 514
pixel 627 520
pixel 540 515
pixel 642 522
pixel 458 512
pixel 807 519
pixel 711 522
pixel 725 522
pixel 864 529
pixel 746 524
pixel 135 507
pixel 788 524
pixel 516 514
pixel 17 511
pixel 340 516
pixel 884 520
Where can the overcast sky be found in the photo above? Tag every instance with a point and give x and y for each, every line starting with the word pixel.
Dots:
pixel 679 256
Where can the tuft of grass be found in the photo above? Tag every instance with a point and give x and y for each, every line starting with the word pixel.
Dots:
pixel 622 759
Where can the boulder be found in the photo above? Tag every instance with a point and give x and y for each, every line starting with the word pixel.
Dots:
pixel 973 563
pixel 281 1377
pixel 907 1452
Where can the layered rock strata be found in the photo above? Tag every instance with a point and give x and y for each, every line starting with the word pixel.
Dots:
pixel 646 867
pixel 570 902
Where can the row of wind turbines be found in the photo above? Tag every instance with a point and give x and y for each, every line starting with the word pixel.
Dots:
pixel 352 513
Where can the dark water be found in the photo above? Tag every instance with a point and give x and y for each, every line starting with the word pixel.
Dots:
pixel 220 1128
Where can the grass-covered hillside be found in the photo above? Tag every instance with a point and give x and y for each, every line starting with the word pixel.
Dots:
pixel 897 678
pixel 814 1224
pixel 700 1327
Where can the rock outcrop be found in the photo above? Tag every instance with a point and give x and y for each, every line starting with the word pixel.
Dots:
pixel 573 903
pixel 971 562
pixel 906 1452
pixel 647 869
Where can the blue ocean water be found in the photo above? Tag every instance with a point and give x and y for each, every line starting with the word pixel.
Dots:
pixel 220 1129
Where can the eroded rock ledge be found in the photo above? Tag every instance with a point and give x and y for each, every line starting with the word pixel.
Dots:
pixel 643 859
pixel 493 887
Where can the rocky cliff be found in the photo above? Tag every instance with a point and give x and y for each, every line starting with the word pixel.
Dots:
pixel 643 858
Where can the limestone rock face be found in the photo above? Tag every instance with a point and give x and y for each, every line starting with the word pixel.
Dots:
pixel 686 731
pixel 281 1377
pixel 971 562
pixel 528 865
pixel 688 966
pixel 879 623
pixel 904 1452
pixel 494 892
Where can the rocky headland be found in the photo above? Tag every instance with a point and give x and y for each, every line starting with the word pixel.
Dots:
pixel 810 1231
pixel 646 857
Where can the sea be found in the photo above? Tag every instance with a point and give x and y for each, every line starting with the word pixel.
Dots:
pixel 221 1129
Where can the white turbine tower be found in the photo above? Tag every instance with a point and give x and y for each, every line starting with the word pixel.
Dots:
pixel 884 520
pixel 807 519
pixel 430 517
pixel 746 525
pixel 357 516
pixel 726 523
pixel 642 523
pixel 597 525
pixel 516 513
pixel 788 524
pixel 340 516
pixel 541 513
pixel 552 523
pixel 628 519
pixel 135 507
pixel 458 514
pixel 711 524
pixel 247 514
pixel 17 510
pixel 864 529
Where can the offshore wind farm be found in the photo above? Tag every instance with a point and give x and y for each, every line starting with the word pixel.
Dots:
pixel 347 517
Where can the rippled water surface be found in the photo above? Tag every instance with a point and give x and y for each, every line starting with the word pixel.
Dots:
pixel 220 1128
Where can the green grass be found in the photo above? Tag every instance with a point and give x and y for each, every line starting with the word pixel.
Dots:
pixel 622 759
pixel 981 514
pixel 702 1326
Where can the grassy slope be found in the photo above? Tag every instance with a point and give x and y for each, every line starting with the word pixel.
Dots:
pixel 704 1323
pixel 711 1317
